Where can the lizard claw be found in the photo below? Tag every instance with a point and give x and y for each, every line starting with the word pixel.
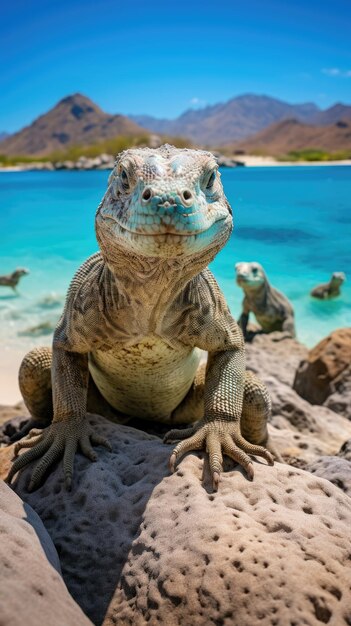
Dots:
pixel 59 439
pixel 219 438
pixel 216 477
pixel 250 471
pixel 172 462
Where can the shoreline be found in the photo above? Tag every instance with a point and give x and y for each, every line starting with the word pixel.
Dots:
pixel 256 161
pixel 225 162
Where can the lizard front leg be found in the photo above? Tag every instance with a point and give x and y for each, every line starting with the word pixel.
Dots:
pixel 244 317
pixel 288 326
pixel 219 431
pixel 69 428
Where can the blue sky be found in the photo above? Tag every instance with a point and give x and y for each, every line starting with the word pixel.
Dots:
pixel 161 58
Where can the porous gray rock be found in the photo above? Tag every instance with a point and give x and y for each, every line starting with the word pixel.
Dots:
pixel 345 450
pixel 32 591
pixel 138 545
pixel 340 397
pixel 275 355
pixel 12 419
pixel 335 469
pixel 299 430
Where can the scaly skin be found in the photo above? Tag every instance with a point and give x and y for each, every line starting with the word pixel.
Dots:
pixel 135 317
pixel 271 308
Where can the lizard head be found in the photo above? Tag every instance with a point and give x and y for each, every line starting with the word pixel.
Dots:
pixel 338 278
pixel 250 275
pixel 165 203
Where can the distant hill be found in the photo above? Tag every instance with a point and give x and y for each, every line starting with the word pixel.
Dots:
pixel 332 115
pixel 3 135
pixel 238 118
pixel 291 135
pixel 74 120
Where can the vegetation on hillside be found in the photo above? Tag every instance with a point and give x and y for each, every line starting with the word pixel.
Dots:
pixel 312 154
pixel 108 146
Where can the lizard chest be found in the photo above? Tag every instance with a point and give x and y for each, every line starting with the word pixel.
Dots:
pixel 147 379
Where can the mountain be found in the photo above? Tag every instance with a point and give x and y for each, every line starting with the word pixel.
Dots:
pixel 332 115
pixel 74 120
pixel 288 135
pixel 238 118
pixel 3 135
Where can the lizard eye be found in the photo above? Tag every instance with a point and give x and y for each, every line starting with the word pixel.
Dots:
pixel 211 180
pixel 124 179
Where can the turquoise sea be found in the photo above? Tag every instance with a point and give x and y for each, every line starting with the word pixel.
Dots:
pixel 296 221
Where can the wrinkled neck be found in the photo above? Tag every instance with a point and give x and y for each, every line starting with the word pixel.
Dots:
pixel 153 281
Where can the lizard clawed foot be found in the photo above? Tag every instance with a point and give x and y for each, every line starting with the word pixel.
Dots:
pixel 217 438
pixel 58 439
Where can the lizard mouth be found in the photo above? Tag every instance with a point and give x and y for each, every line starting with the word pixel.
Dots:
pixel 167 232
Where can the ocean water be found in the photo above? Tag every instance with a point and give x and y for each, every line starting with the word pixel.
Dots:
pixel 295 221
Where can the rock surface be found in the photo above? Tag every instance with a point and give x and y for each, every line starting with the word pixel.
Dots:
pixel 140 546
pixel 300 431
pixel 9 412
pixel 325 363
pixel 340 397
pixel 269 356
pixel 334 469
pixel 345 450
pixel 32 591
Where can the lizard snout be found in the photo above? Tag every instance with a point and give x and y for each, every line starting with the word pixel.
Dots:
pixel 181 198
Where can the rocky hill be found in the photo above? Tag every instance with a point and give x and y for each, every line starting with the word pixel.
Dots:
pixel 332 115
pixel 74 120
pixel 239 118
pixel 235 119
pixel 291 135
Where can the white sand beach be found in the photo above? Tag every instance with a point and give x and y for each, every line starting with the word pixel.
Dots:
pixel 10 361
pixel 263 161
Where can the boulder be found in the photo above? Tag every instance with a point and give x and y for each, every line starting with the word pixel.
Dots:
pixel 329 428
pixel 300 431
pixel 340 397
pixel 345 450
pixel 12 419
pixel 32 591
pixel 138 545
pixel 267 356
pixel 325 363
pixel 335 469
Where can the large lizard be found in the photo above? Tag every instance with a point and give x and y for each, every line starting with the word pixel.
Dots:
pixel 136 317
pixel 272 309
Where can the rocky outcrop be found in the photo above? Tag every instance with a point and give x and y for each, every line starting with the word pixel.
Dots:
pixel 300 431
pixel 276 356
pixel 138 545
pixel 335 469
pixel 340 397
pixel 325 367
pixel 345 450
pixel 12 418
pixel 32 591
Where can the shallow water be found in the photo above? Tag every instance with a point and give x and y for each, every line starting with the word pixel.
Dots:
pixel 295 221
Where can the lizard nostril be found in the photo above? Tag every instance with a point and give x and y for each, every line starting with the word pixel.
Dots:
pixel 187 196
pixel 146 195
